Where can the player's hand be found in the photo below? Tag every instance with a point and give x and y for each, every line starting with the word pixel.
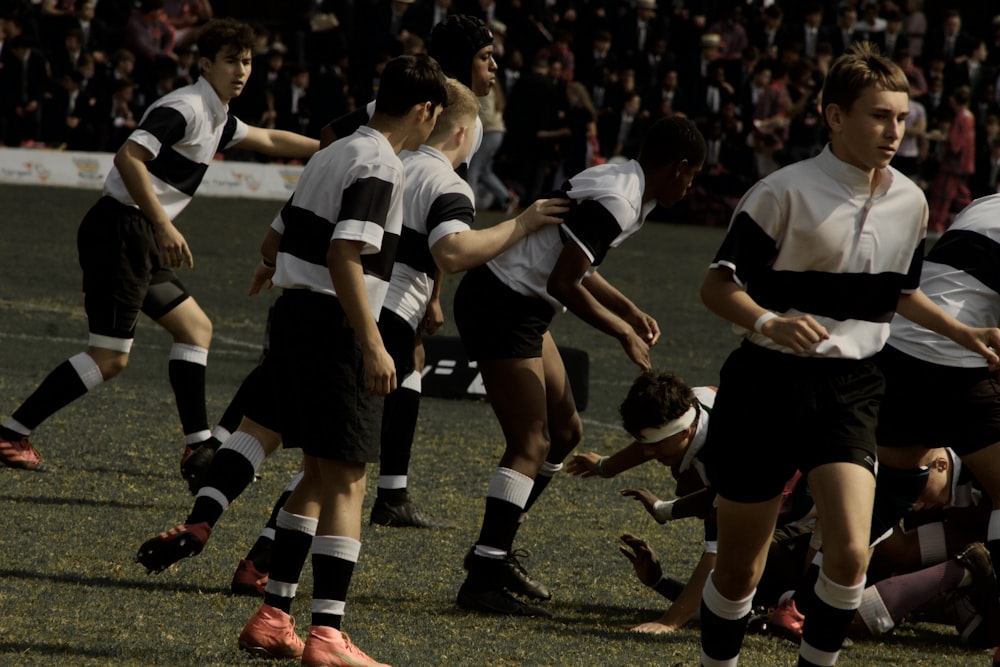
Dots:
pixel 584 465
pixel 653 627
pixel 645 326
pixel 644 496
pixel 644 560
pixel 433 317
pixel 799 333
pixel 174 249
pixel 985 341
pixel 637 350
pixel 261 279
pixel 380 372
pixel 542 212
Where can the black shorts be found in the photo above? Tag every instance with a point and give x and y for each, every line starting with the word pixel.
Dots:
pixel 122 273
pixel 775 413
pixel 930 405
pixel 317 373
pixel 398 337
pixel 495 322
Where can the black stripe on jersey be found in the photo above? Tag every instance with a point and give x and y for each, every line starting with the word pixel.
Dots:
pixel 871 297
pixel 971 252
pixel 367 200
pixel 594 226
pixel 380 264
pixel 414 251
pixel 307 235
pixel 166 124
pixel 747 247
pixel 228 132
pixel 450 206
pixel 177 171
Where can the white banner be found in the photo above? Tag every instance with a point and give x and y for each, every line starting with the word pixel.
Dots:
pixel 28 166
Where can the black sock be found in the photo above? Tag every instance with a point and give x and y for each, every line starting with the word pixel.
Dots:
pixel 60 388
pixel 292 541
pixel 230 473
pixel 333 560
pixel 187 377
pixel 233 415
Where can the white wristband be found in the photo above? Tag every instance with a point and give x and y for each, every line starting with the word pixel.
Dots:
pixel 663 510
pixel 766 317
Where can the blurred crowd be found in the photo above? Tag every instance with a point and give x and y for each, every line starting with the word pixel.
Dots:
pixel 578 80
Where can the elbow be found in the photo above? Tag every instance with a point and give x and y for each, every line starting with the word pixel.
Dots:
pixel 451 263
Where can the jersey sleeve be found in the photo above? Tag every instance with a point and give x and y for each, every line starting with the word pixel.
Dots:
pixel 593 227
pixel 751 243
pixel 161 126
pixel 364 207
pixel 235 132
pixel 451 213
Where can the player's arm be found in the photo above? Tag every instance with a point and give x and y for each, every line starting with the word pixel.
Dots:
pixel 724 297
pixel 131 161
pixel 278 143
pixel 468 249
pixel 918 308
pixel 592 464
pixel 344 261
pixel 264 270
pixel 621 305
pixel 565 284
pixel 434 314
pixel 687 603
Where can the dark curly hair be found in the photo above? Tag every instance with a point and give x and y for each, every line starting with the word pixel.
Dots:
pixel 654 398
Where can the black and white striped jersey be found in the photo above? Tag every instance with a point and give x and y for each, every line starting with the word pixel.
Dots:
pixel 606 208
pixel 812 238
pixel 961 275
pixel 184 130
pixel 437 202
pixel 350 190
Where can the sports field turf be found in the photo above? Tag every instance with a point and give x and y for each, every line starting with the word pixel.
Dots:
pixel 70 593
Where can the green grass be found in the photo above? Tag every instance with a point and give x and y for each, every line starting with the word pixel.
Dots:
pixel 71 594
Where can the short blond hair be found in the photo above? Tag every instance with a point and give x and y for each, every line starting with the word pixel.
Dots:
pixel 462 110
pixel 860 67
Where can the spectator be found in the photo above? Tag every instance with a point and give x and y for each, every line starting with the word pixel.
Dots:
pixel 915 27
pixel 913 146
pixel 117 128
pixel 23 82
pixel 581 119
pixel 291 100
pixel 892 39
pixel 489 190
pixel 67 114
pixel 812 31
pixel 984 180
pixel 638 31
pixel 667 92
pixel 732 33
pixel 619 132
pixel 949 41
pixel 186 17
pixel 870 27
pixel 149 36
pixel 770 35
pixel 950 190
pixel 595 61
pixel 844 34
pixel 806 132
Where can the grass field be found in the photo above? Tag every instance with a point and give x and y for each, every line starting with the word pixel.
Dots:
pixel 72 595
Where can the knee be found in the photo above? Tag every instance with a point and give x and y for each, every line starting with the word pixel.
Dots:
pixel 847 564
pixel 735 582
pixel 567 436
pixel 110 363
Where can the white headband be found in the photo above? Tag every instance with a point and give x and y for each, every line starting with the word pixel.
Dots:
pixel 653 434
